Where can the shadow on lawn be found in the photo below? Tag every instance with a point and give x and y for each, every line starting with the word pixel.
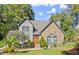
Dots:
pixel 21 51
pixel 74 51
pixel 71 52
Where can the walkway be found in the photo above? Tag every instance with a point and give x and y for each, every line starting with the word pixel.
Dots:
pixel 28 49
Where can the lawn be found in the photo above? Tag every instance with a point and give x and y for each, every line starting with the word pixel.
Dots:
pixel 52 51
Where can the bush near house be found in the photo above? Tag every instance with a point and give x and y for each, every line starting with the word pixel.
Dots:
pixel 10 43
pixel 8 50
pixel 30 44
pixel 1 37
pixel 1 43
pixel 43 43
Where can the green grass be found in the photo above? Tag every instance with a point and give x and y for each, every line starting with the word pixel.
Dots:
pixel 40 52
pixel 52 51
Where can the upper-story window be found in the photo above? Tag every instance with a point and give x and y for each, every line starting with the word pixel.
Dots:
pixel 25 28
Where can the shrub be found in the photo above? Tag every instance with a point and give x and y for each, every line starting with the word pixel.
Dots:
pixel 10 42
pixel 1 37
pixel 29 43
pixel 1 43
pixel 77 46
pixel 43 43
pixel 8 50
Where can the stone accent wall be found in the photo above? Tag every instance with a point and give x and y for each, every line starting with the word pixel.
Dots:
pixel 53 29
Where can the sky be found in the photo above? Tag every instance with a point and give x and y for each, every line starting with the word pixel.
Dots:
pixel 43 11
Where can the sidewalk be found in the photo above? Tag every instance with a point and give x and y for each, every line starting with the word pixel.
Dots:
pixel 27 49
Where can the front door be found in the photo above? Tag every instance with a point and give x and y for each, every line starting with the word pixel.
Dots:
pixel 36 41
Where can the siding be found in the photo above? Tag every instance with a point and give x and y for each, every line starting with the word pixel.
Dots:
pixel 27 23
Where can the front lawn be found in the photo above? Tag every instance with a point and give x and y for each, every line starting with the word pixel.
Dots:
pixel 52 51
pixel 40 52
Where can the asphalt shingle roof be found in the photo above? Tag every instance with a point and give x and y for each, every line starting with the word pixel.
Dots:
pixel 39 25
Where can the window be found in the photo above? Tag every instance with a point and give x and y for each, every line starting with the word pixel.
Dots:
pixel 51 39
pixel 25 30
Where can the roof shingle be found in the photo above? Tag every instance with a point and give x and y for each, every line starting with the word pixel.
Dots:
pixel 39 25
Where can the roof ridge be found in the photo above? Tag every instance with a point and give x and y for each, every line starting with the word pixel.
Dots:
pixel 39 20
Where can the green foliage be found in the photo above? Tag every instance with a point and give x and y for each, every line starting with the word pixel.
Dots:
pixel 75 7
pixel 26 38
pixel 70 34
pixel 1 36
pixel 8 50
pixel 52 51
pixel 43 43
pixel 56 17
pixel 29 43
pixel 11 42
pixel 65 18
pixel 66 24
pixel 11 15
pixel 1 43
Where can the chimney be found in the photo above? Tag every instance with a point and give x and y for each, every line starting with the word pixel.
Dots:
pixel 58 22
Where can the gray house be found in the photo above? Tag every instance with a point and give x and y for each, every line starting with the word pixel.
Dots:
pixel 36 29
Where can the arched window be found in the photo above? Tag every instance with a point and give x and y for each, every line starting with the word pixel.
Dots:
pixel 51 40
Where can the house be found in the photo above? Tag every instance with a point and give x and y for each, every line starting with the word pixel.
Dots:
pixel 36 29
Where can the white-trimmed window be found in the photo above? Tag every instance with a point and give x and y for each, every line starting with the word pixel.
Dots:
pixel 51 39
pixel 25 28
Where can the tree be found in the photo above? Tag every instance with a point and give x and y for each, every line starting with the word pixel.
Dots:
pixel 43 43
pixel 11 15
pixel 75 13
pixel 66 19
pixel 70 35
pixel 56 17
pixel 75 7
pixel 66 23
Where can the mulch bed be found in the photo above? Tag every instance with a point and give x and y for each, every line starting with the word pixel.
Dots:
pixel 74 51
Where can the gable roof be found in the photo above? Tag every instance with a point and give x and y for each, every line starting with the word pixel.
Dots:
pixel 40 26
pixel 55 24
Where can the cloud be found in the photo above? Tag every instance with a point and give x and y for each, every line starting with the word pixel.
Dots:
pixel 53 5
pixel 48 12
pixel 63 6
pixel 53 10
pixel 45 5
pixel 40 13
pixel 49 16
pixel 35 5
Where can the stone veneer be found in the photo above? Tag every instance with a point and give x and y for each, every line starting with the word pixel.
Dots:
pixel 53 29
